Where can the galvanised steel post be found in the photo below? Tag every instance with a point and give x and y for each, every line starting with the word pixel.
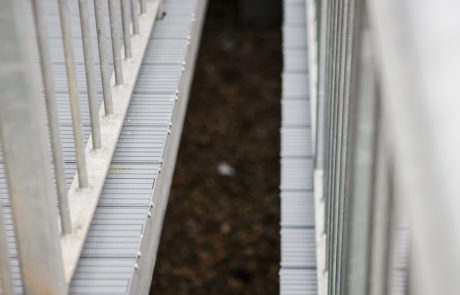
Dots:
pixel 125 17
pixel 90 76
pixel 114 15
pixel 26 161
pixel 103 56
pixel 359 180
pixel 64 16
pixel 53 118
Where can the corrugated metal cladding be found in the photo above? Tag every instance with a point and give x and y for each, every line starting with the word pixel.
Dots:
pixel 298 254
pixel 119 228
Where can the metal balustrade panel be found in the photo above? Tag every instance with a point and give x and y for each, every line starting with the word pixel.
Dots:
pixel 120 225
pixel 363 248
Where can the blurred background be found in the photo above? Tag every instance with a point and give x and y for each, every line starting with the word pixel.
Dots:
pixel 221 231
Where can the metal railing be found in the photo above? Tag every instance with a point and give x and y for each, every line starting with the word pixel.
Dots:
pixel 48 250
pixel 387 145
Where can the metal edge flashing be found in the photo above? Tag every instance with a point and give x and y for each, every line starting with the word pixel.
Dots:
pixel 312 62
pixel 320 235
pixel 314 42
pixel 151 233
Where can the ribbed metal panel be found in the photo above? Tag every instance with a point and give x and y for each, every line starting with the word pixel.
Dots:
pixel 296 174
pixel 294 85
pixel 297 142
pixel 298 281
pixel 298 249
pixel 297 209
pixel 295 112
pixel 295 60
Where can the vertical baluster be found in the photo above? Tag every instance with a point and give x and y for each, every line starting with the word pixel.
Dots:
pixel 143 6
pixel 116 46
pixel 103 56
pixel 25 156
pixel 362 143
pixel 135 15
pixel 126 30
pixel 160 10
pixel 73 93
pixel 53 121
pixel 89 71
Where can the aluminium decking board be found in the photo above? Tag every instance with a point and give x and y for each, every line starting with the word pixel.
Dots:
pixel 298 281
pixel 297 209
pixel 293 113
pixel 107 261
pixel 166 82
pixel 297 142
pixel 298 248
pixel 295 60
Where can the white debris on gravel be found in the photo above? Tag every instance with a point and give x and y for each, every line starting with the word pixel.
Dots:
pixel 224 169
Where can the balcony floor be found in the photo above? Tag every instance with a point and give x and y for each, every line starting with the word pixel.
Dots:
pixel 298 248
pixel 119 253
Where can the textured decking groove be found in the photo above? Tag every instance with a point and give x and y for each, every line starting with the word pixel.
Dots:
pixel 298 249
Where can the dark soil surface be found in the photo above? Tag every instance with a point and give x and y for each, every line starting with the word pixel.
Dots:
pixel 221 232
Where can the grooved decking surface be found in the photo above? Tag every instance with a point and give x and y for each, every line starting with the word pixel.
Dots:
pixel 298 254
pixel 116 234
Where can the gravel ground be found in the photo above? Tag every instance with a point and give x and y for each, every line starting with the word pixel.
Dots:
pixel 221 232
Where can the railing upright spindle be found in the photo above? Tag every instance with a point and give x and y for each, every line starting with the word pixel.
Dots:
pixel 135 16
pixel 103 56
pixel 160 10
pixel 114 13
pixel 53 120
pixel 89 71
pixel 126 31
pixel 143 6
pixel 73 93
pixel 25 156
